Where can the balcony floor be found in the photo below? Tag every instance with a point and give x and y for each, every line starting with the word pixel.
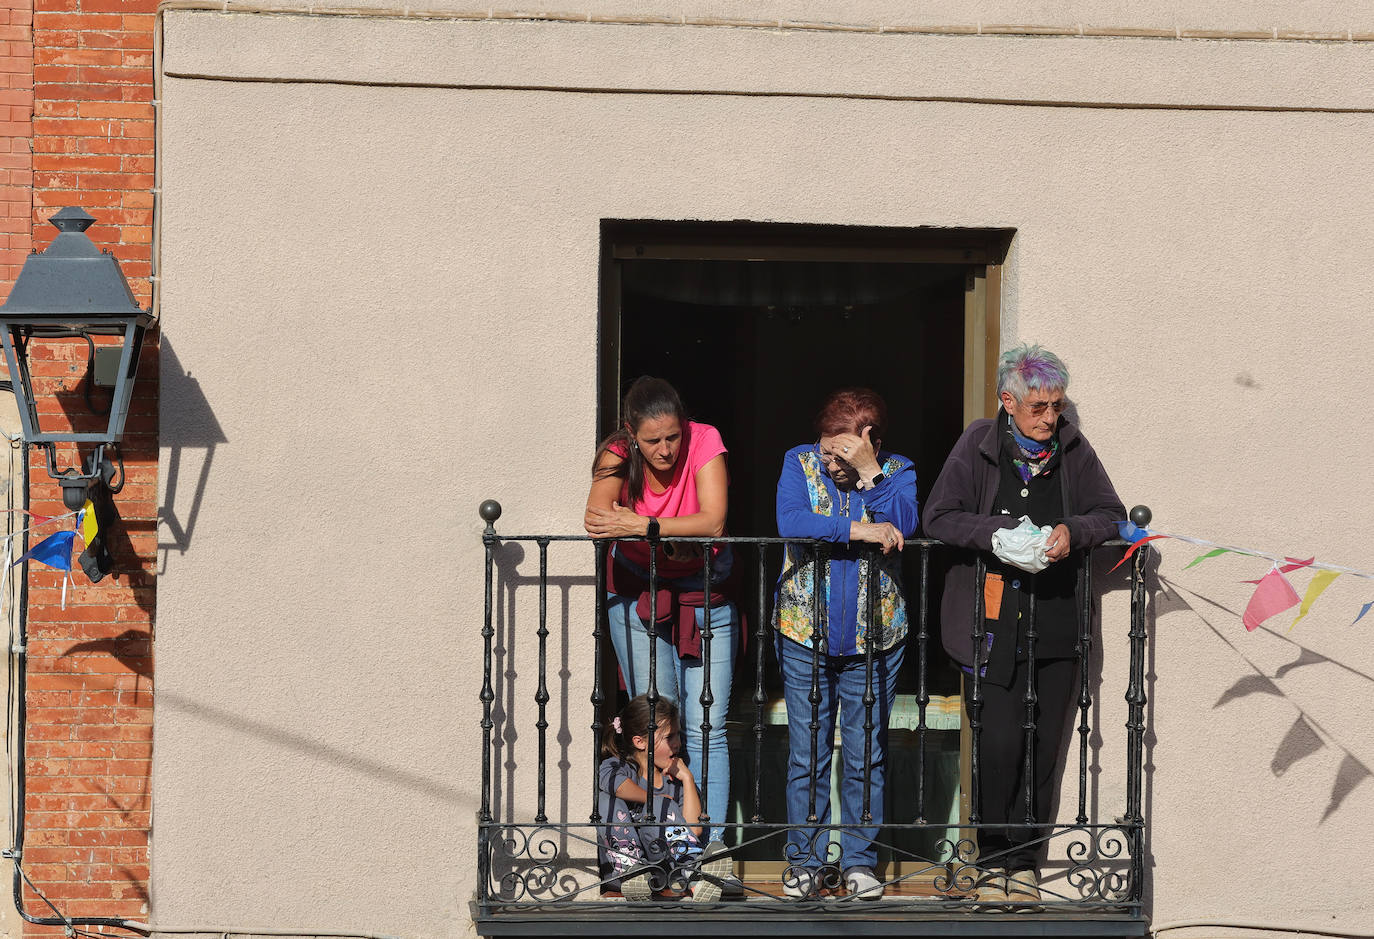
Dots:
pixel 910 908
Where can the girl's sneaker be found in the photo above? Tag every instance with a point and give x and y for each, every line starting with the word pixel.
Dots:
pixel 636 885
pixel 713 866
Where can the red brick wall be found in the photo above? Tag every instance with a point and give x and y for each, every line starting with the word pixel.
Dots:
pixel 16 160
pixel 90 666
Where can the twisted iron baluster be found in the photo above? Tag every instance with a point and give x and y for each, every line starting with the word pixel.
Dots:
pixel 821 575
pixel 652 693
pixel 1085 699
pixel 1135 724
pixel 869 637
pixel 490 512
pixel 541 694
pixel 922 691
pixel 707 698
pixel 1029 700
pixel 599 548
pixel 975 702
pixel 761 634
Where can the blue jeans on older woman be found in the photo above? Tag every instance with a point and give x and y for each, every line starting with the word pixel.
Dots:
pixel 684 681
pixel 842 679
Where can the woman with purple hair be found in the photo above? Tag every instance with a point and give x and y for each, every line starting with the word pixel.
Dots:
pixel 1028 462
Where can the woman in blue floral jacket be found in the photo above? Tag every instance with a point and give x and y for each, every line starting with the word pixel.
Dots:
pixel 845 489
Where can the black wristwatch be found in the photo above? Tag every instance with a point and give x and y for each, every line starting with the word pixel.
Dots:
pixel 875 480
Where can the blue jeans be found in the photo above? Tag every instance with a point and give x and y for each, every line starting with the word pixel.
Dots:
pixel 842 679
pixel 683 681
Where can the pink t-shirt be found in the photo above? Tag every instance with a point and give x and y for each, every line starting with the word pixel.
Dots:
pixel 703 445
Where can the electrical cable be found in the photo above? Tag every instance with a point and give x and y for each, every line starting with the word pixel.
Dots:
pixel 1265 927
pixel 256 931
pixel 19 655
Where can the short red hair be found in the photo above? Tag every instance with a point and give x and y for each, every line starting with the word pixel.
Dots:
pixel 850 410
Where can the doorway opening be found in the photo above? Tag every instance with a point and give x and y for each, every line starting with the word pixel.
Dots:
pixel 756 323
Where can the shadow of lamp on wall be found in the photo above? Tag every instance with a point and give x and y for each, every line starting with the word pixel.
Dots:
pixel 71 301
pixel 188 425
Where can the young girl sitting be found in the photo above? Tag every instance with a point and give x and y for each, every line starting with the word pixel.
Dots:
pixel 646 858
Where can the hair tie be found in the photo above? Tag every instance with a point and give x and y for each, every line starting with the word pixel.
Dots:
pixel 615 722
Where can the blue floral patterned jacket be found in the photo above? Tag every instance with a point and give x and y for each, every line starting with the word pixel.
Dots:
pixel 810 506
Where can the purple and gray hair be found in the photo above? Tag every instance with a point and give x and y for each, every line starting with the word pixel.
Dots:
pixel 1027 368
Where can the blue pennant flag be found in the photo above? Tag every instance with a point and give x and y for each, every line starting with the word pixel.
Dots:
pixel 54 551
pixel 1129 531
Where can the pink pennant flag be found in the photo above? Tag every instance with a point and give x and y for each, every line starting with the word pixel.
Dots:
pixel 1292 565
pixel 1273 595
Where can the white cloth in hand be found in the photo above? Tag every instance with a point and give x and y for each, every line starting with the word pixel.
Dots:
pixel 1023 546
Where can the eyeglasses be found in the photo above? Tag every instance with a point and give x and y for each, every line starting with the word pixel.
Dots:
pixel 1039 407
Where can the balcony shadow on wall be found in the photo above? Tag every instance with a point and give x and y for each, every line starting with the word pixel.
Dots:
pixel 187 423
pixel 506 671
pixel 1108 579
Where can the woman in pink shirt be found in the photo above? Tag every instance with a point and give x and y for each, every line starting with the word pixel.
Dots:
pixel 663 475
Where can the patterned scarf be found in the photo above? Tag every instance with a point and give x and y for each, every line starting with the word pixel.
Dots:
pixel 1027 455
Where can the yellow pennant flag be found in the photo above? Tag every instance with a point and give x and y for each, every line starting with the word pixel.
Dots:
pixel 1320 581
pixel 89 527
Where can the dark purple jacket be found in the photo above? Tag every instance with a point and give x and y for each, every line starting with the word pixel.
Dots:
pixel 958 512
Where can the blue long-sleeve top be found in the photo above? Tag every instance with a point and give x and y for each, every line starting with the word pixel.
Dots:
pixel 809 505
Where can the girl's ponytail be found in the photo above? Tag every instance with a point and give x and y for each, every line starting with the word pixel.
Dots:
pixel 617 739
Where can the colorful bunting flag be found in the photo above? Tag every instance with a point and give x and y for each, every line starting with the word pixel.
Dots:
pixel 87 520
pixel 1132 549
pixel 1129 531
pixel 1292 565
pixel 1210 554
pixel 1363 610
pixel 1320 581
pixel 1273 595
pixel 56 552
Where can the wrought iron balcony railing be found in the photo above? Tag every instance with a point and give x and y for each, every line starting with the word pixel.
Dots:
pixel 537 869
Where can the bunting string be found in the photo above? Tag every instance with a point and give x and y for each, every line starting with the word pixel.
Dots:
pixel 1273 593
pixel 1285 563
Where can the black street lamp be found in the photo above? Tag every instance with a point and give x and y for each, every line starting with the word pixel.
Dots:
pixel 73 290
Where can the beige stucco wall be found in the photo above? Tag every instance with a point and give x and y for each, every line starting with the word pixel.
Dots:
pixel 379 308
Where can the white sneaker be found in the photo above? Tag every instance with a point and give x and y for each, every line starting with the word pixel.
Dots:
pixel 862 884
pixel 798 883
pixel 713 867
